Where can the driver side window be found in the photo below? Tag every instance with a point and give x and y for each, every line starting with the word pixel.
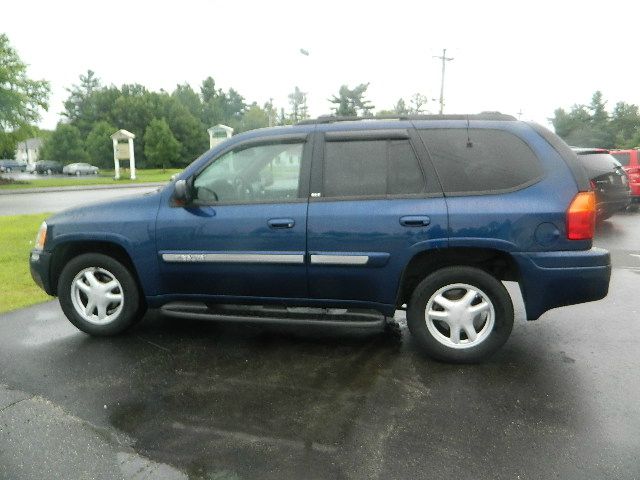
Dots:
pixel 261 173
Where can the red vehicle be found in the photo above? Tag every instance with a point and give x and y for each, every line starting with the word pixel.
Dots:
pixel 630 160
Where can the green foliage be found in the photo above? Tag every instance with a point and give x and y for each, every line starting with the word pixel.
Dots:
pixel 65 145
pixel 351 102
pixel 298 102
pixel 16 241
pixel 415 107
pixel 417 103
pixel 186 96
pixel 187 128
pixel 400 107
pixel 79 107
pixel 99 145
pixel 592 126
pixel 9 140
pixel 254 117
pixel 219 106
pixel 20 97
pixel 160 146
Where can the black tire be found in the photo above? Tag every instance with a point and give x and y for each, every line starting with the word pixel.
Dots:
pixel 133 305
pixel 432 335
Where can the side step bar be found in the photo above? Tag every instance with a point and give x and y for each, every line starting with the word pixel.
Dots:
pixel 277 315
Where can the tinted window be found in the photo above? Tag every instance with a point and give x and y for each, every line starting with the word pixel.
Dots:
pixel 262 173
pixel 371 167
pixel 480 160
pixel 597 163
pixel 623 157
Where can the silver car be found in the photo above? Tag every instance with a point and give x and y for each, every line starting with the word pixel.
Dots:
pixel 80 169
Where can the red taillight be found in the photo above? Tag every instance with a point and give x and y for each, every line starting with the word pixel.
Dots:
pixel 581 216
pixel 593 185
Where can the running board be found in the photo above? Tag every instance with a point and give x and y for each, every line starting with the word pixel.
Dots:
pixel 338 317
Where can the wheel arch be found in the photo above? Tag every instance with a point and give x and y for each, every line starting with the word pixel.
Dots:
pixel 64 252
pixel 498 263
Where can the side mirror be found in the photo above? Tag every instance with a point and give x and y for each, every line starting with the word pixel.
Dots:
pixel 182 192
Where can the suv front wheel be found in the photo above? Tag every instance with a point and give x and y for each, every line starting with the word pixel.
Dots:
pixel 460 314
pixel 99 295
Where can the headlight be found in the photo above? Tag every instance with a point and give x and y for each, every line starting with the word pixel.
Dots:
pixel 41 237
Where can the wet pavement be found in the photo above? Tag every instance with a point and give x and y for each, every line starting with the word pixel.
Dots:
pixel 212 400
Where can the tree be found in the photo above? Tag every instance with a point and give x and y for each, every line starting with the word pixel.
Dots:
pixel 20 96
pixel 65 145
pixel 625 124
pixel 585 126
pixel 400 107
pixel 351 102
pixel 99 145
pixel 189 99
pixel 298 102
pixel 254 117
pixel 417 102
pixel 160 146
pixel 272 112
pixel 187 128
pixel 79 108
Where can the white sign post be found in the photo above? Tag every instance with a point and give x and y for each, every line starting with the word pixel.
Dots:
pixel 123 151
pixel 218 134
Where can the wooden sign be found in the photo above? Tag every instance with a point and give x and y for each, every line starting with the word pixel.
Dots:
pixel 123 151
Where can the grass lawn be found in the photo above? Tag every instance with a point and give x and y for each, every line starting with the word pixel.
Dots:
pixel 105 178
pixel 17 234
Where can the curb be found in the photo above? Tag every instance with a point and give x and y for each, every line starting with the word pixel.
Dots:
pixel 78 188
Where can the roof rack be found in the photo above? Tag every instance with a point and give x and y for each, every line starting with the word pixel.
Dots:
pixel 475 116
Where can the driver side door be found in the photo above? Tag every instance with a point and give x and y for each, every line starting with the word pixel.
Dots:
pixel 244 235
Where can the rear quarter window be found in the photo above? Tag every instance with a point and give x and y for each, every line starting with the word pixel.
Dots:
pixel 623 157
pixel 477 161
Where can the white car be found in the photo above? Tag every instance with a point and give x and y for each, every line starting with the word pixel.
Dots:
pixel 80 169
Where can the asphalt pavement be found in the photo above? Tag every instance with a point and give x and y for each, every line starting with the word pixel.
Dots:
pixel 177 399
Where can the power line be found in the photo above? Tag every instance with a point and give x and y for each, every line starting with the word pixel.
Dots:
pixel 444 59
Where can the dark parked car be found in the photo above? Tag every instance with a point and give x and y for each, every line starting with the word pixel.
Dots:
pixel 48 167
pixel 9 166
pixel 630 161
pixel 608 180
pixel 344 220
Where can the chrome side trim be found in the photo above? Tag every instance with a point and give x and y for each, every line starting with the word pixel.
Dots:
pixel 339 259
pixel 233 258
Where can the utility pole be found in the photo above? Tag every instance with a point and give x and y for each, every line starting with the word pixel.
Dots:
pixel 444 59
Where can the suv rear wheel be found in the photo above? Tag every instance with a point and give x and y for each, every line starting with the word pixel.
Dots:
pixel 99 295
pixel 460 314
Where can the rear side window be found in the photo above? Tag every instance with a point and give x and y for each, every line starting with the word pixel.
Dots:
pixel 623 157
pixel 470 161
pixel 371 168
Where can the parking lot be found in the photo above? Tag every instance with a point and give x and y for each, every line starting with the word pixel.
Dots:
pixel 195 399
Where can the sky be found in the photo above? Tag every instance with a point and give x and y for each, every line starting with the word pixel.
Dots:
pixel 514 57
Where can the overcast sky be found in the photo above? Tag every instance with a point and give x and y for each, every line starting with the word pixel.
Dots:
pixel 508 56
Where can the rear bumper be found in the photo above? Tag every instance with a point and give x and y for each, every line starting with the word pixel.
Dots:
pixel 555 279
pixel 612 204
pixel 39 263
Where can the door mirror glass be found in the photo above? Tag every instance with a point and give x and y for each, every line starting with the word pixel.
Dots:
pixel 182 192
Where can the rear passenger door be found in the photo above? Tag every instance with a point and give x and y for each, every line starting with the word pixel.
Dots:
pixel 373 205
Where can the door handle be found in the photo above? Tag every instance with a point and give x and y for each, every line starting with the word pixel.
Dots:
pixel 415 221
pixel 281 223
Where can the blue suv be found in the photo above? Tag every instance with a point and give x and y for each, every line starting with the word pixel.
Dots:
pixel 344 219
